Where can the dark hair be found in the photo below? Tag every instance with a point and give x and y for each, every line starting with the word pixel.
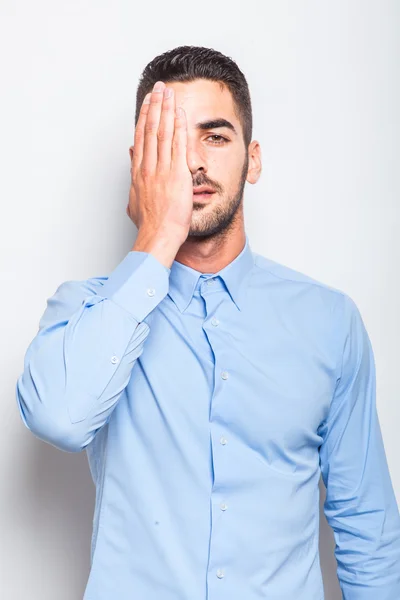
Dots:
pixel 187 63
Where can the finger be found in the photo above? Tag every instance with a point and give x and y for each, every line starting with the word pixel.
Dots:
pixel 137 154
pixel 166 130
pixel 150 154
pixel 179 141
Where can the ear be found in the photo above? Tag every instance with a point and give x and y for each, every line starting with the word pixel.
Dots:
pixel 255 166
pixel 131 152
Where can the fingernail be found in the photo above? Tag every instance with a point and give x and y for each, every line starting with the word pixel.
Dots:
pixel 168 92
pixel 158 87
pixel 147 99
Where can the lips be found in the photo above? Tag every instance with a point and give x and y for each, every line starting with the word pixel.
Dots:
pixel 203 190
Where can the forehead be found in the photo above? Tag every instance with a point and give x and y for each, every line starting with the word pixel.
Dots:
pixel 204 99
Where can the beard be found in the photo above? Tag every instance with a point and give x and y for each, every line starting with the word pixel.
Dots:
pixel 221 219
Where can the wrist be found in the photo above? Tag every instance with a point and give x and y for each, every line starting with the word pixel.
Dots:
pixel 163 246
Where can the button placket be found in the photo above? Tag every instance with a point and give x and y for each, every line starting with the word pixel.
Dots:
pixel 212 303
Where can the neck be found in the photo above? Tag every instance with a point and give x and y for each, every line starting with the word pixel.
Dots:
pixel 212 254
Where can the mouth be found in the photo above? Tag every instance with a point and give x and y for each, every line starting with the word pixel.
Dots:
pixel 203 196
pixel 203 193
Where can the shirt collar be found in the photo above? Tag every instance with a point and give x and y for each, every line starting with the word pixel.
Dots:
pixel 183 279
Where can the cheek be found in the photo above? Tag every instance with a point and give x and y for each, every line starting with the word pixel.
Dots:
pixel 225 170
pixel 233 174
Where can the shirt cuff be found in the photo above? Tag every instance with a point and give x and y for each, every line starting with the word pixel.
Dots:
pixel 137 284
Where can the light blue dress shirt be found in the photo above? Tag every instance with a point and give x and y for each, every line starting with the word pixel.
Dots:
pixel 209 405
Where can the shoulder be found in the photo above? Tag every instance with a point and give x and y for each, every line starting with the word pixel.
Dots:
pixel 306 295
pixel 294 280
pixel 289 275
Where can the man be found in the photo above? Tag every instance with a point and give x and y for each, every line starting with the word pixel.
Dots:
pixel 209 385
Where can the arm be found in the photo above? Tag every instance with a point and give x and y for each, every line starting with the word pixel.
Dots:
pixel 360 503
pixel 81 359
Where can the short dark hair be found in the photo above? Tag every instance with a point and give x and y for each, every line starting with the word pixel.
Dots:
pixel 187 63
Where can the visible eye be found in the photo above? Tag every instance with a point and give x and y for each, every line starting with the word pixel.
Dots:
pixel 220 138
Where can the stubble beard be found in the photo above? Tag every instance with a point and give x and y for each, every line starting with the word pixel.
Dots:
pixel 222 217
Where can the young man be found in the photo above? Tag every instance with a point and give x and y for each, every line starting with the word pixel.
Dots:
pixel 209 385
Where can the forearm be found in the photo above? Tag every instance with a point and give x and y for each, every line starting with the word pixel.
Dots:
pixel 368 548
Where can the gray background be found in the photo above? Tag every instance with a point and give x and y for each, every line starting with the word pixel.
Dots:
pixel 324 78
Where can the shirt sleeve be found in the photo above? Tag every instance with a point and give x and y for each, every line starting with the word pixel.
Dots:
pixel 89 338
pixel 360 503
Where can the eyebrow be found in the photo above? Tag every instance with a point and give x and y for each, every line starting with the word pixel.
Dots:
pixel 215 123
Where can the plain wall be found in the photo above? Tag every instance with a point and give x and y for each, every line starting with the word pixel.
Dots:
pixel 324 79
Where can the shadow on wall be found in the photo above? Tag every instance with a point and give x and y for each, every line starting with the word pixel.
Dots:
pixel 57 504
pixel 54 517
pixel 326 552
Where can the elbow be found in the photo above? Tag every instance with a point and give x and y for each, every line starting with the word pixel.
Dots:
pixel 55 430
pixel 61 438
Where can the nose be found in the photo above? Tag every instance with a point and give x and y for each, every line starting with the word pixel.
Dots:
pixel 195 158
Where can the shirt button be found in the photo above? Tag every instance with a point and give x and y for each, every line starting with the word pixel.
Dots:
pixel 214 321
pixel 220 573
pixel 223 506
pixel 151 292
pixel 223 440
pixel 114 359
pixel 224 375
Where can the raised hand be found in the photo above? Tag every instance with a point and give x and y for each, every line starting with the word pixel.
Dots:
pixel 161 196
